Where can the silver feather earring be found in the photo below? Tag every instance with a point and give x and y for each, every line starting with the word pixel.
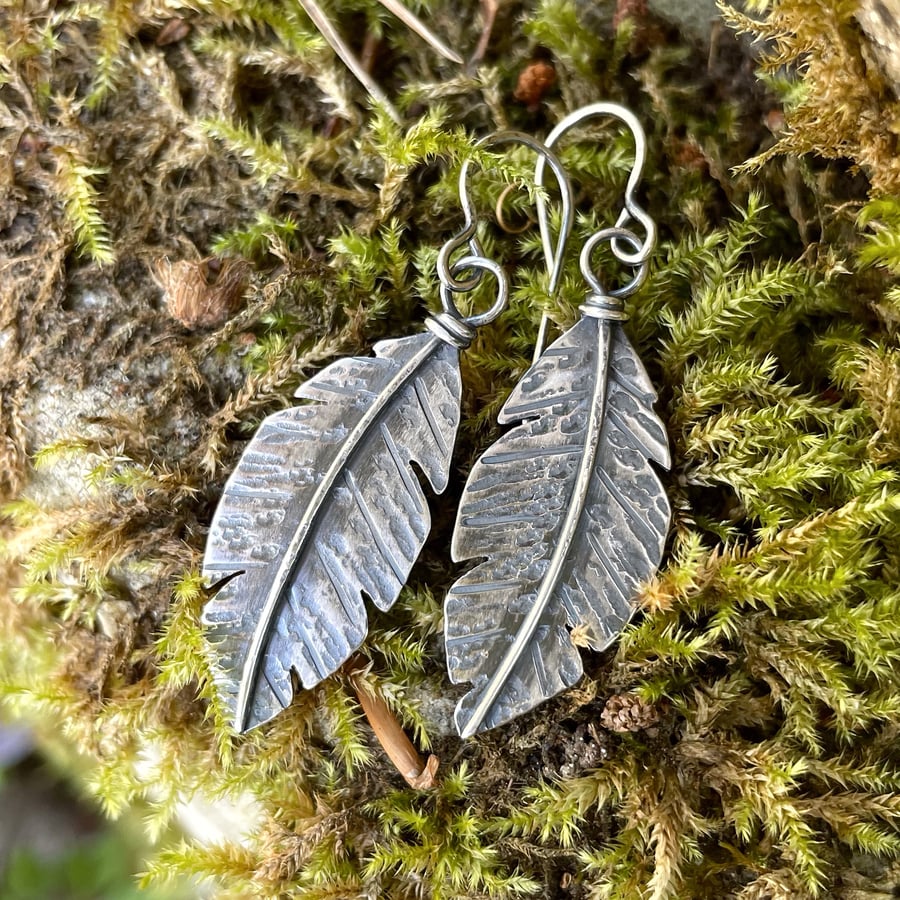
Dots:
pixel 565 510
pixel 324 506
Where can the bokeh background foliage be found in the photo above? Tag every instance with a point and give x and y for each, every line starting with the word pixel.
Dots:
pixel 198 210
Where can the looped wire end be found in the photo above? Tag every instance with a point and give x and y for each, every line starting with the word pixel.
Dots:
pixel 468 234
pixel 480 264
pixel 601 300
pixel 620 238
pixel 452 329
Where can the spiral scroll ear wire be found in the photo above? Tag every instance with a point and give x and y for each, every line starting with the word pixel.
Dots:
pixel 453 324
pixel 619 237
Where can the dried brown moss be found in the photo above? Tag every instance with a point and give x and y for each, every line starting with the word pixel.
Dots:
pixel 841 103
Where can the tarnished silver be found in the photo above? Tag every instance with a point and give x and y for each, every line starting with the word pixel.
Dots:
pixel 324 504
pixel 565 510
pixel 325 507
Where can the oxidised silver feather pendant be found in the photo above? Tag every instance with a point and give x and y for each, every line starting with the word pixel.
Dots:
pixel 323 505
pixel 565 510
pixel 570 517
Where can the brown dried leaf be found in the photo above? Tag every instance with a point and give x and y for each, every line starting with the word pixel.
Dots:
pixel 202 293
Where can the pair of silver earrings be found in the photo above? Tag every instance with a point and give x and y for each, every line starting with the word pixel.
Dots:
pixel 565 510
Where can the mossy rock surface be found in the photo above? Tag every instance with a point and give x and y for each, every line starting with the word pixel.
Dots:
pixel 198 210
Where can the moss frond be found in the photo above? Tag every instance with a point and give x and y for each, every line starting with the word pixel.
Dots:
pixel 834 103
pixel 74 184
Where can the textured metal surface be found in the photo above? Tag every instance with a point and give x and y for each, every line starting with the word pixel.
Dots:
pixel 568 515
pixel 324 505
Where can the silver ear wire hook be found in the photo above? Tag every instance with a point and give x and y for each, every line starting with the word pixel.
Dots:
pixel 476 260
pixel 618 235
pixel 564 513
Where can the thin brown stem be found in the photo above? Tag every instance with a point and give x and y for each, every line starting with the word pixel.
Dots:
pixel 488 15
pixel 418 773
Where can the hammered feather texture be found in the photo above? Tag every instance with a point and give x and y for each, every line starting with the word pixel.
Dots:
pixel 568 515
pixel 323 508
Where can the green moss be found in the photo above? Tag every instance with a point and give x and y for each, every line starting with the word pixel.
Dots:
pixel 767 645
